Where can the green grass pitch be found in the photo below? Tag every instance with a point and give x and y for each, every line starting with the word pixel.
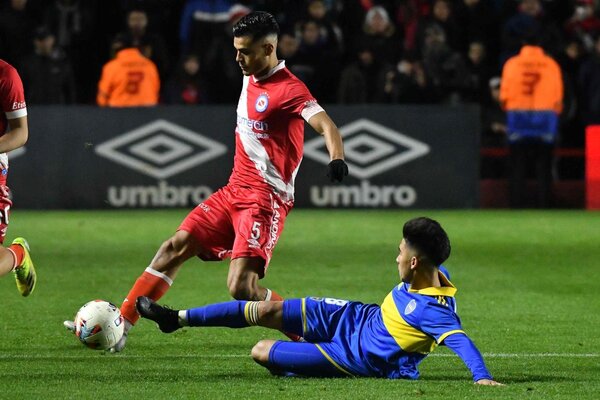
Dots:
pixel 528 296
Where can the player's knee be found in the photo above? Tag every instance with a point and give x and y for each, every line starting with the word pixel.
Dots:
pixel 260 351
pixel 242 289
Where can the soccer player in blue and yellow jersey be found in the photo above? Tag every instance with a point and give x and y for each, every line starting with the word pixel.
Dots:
pixel 348 338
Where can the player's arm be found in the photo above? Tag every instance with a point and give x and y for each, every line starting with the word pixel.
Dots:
pixel 464 347
pixel 333 141
pixel 17 135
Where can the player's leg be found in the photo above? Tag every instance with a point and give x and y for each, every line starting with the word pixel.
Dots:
pixel 291 359
pixel 155 280
pixel 16 257
pixel 242 279
pixel 258 220
pixel 231 314
pixel 159 275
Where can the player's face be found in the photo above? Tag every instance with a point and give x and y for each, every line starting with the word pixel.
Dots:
pixel 404 260
pixel 251 56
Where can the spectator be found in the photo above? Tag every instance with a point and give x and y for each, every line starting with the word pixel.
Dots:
pixel 493 131
pixel 47 73
pixel 570 59
pixel 188 86
pixel 360 82
pixel 583 24
pixel 74 24
pixel 479 73
pixel 445 68
pixel 410 14
pixel 406 83
pixel 130 80
pixel 330 32
pixel 531 93
pixel 530 17
pixel 478 22
pixel 380 35
pixel 201 22
pixel 318 63
pixel 589 85
pixel 151 45
pixel 441 15
pixel 16 32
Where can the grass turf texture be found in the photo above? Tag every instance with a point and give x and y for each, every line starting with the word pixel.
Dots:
pixel 527 296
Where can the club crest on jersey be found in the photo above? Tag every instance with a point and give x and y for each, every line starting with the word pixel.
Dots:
pixel 262 102
pixel 410 307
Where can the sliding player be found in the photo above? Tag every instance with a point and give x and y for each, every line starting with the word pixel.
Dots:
pixel 344 338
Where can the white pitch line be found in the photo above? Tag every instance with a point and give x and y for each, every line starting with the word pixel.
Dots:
pixel 529 355
pixel 216 356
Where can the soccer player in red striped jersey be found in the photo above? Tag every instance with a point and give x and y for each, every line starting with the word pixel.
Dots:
pixel 244 219
pixel 13 134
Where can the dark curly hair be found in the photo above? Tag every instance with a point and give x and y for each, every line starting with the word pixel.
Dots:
pixel 428 237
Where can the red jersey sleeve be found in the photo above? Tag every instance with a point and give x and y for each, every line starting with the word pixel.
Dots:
pixel 12 95
pixel 300 101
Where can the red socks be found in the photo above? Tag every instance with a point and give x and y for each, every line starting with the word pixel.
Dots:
pixel 274 296
pixel 151 283
pixel 17 251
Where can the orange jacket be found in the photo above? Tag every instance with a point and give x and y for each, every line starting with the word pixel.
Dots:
pixel 130 80
pixel 531 81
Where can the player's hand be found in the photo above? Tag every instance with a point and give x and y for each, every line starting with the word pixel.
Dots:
pixel 337 170
pixel 488 382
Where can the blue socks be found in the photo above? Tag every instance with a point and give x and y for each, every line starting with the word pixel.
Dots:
pixel 230 314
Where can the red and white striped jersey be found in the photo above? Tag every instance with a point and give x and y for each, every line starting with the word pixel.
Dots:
pixel 12 100
pixel 270 131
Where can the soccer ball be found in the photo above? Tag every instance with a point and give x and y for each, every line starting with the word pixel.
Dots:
pixel 99 324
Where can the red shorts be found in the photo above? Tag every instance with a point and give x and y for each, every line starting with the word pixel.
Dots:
pixel 237 222
pixel 5 205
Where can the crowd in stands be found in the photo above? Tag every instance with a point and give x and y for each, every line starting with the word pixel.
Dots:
pixel 346 51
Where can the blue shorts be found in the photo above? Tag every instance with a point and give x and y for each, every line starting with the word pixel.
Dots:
pixel 329 327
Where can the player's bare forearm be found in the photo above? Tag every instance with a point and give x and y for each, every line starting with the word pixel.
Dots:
pixel 17 135
pixel 327 128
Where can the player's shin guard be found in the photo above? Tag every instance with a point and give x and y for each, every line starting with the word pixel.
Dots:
pixel 152 284
pixel 231 314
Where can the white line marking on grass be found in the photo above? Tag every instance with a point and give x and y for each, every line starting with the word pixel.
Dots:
pixel 208 356
pixel 529 355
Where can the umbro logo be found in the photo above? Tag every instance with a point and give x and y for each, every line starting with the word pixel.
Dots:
pixel 370 148
pixel 161 149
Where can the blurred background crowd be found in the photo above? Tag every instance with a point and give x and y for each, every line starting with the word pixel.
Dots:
pixel 347 52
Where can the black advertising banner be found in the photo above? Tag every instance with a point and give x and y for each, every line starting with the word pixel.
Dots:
pixel 87 157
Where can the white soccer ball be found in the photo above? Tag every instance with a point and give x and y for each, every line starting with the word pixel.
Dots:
pixel 99 324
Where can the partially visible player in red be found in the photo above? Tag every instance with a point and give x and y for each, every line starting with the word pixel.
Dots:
pixel 13 134
pixel 244 219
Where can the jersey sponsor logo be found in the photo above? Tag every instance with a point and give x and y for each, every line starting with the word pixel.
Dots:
pixel 17 105
pixel 410 307
pixel 262 102
pixel 161 149
pixel 258 128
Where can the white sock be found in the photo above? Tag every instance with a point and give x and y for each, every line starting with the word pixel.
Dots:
pixel 182 318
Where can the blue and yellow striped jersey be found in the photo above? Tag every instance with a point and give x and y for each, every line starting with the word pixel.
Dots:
pixel 392 339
